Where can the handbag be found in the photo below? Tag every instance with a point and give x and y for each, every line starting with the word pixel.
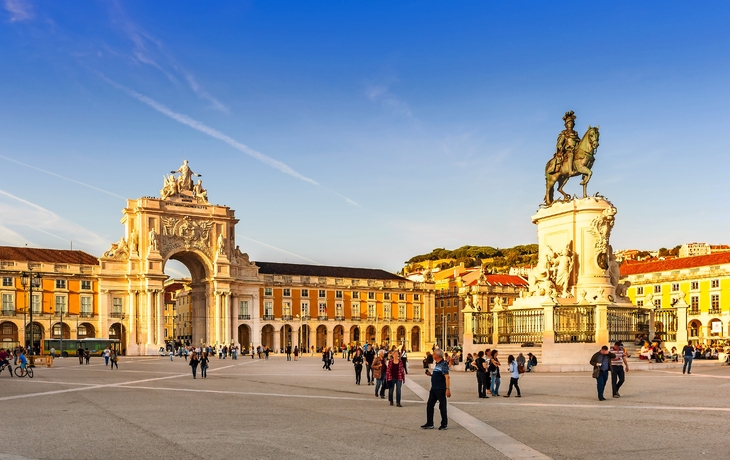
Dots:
pixel 596 372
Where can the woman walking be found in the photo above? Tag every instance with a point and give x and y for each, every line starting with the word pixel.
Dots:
pixel 494 372
pixel 113 359
pixel 204 366
pixel 514 378
pixel 396 375
pixel 327 358
pixel 357 361
pixel 296 353
pixel 194 363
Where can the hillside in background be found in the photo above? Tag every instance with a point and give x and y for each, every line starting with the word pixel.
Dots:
pixel 496 260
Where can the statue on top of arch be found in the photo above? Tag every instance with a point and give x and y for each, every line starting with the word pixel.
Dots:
pixel 183 185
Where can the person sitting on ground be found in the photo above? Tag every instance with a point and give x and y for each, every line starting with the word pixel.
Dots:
pixel 659 354
pixel 467 364
pixel 673 356
pixel 531 361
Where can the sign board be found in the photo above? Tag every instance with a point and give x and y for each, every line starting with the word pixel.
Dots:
pixel 716 327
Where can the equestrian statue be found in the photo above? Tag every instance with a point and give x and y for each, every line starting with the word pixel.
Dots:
pixel 573 156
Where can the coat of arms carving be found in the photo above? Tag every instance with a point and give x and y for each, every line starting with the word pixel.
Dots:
pixel 185 233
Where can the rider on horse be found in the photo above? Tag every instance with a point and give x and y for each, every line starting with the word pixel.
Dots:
pixel 567 142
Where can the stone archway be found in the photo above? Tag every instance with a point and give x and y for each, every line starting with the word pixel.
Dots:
pixel 244 336
pixel 267 336
pixel 56 331
pixel 355 334
pixel 338 337
pixel 8 335
pixel 370 335
pixel 85 331
pixel 285 337
pixel 321 337
pixel 385 336
pixel 400 336
pixel 304 337
pixel 694 329
pixel 181 225
pixel 416 339
pixel 39 335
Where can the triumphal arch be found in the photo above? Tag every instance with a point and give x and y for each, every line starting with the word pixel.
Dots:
pixel 181 225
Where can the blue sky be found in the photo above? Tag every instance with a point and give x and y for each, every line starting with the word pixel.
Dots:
pixel 361 135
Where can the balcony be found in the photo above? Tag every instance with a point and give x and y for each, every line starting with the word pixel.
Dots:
pixel 244 317
pixel 7 313
pixel 322 318
pixel 86 314
pixel 268 317
pixel 306 317
pixel 356 318
pixel 372 318
pixel 339 318
pixel 116 314
pixel 714 311
pixel 693 311
pixel 286 317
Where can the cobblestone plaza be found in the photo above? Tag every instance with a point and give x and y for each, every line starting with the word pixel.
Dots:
pixel 152 408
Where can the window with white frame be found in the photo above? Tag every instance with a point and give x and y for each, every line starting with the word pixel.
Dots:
pixel 401 311
pixel 243 309
pixel 86 307
pixel 60 284
pixel 694 285
pixel 386 296
pixel 338 294
pixel 416 312
pixel 371 310
pixel 416 297
pixel 286 309
pixel 117 306
pixel 355 295
pixel 694 302
pixel 640 290
pixel 287 292
pixel 371 296
pixel 268 308
pixel 61 304
pixel 322 310
pixel 7 281
pixel 86 285
pixel 386 311
pixel 338 310
pixel 675 287
pixel 448 302
pixel 658 303
pixel 639 303
pixel 714 284
pixel 657 289
pixel 8 302
pixel 401 297
pixel 305 292
pixel 322 293
pixel 268 291
pixel 36 303
pixel 305 309
pixel 442 304
pixel 356 310
pixel 715 302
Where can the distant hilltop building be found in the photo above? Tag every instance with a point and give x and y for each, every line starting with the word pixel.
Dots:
pixel 701 249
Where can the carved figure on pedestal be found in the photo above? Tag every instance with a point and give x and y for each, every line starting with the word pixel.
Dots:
pixel 601 227
pixel 468 303
pixel 649 300
pixel 573 157
pixel 221 244
pixel 241 257
pixel 613 269
pixel 153 239
pixel 482 274
pixel 427 276
pixel 564 272
pixel 622 289
pixel 185 181
pixel 498 305
pixel 542 278
pixel 200 193
pixel 133 240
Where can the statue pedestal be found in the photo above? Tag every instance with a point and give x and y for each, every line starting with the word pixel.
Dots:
pixel 584 227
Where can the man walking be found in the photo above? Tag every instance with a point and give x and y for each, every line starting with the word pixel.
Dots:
pixel 601 362
pixel 688 352
pixel 617 368
pixel 440 390
pixel 288 352
pixel 369 357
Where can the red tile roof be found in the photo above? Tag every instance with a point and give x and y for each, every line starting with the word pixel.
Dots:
pixel 506 280
pixel 674 264
pixel 51 256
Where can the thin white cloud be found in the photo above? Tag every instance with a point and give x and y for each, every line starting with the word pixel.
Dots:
pixel 382 95
pixel 150 50
pixel 214 133
pixel 36 217
pixel 19 10
pixel 238 235
pixel 63 177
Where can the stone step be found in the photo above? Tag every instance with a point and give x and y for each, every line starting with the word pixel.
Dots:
pixel 637 366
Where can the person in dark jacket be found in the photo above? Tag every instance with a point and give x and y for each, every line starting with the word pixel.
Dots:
pixel 369 357
pixel 204 366
pixel 357 361
pixel 601 362
pixel 194 363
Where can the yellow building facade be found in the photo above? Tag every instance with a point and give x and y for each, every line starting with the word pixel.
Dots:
pixel 696 287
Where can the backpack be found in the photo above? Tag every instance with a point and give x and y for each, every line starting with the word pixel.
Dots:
pixel 520 368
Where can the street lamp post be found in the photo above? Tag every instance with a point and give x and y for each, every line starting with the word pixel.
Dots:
pixel 30 280
pixel 61 345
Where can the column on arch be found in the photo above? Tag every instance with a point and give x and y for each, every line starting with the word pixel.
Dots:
pixel 148 316
pixel 277 338
pixel 217 318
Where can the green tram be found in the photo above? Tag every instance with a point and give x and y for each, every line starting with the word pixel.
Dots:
pixel 96 346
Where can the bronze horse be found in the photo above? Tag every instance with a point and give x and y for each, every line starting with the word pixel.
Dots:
pixel 583 160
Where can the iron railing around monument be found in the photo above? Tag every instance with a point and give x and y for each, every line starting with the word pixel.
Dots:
pixel 482 323
pixel 626 324
pixel 575 324
pixel 521 326
pixel 665 324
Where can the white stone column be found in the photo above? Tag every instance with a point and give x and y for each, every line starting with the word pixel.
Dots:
pixel 148 317
pixel 277 339
pixel 233 315
pixel 160 307
pixel 217 319
pixel 227 318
